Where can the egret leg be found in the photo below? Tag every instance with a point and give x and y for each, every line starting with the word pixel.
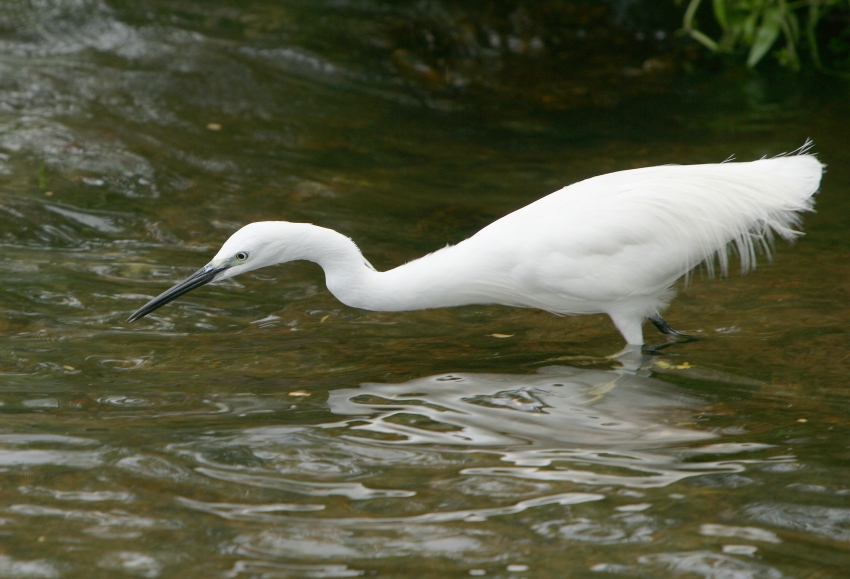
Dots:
pixel 630 326
pixel 664 327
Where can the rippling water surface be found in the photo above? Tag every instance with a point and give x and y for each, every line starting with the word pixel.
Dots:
pixel 258 428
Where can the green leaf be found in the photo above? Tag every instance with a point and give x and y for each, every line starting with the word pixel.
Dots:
pixel 688 21
pixel 749 27
pixel 733 33
pixel 793 26
pixel 704 40
pixel 720 13
pixel 765 36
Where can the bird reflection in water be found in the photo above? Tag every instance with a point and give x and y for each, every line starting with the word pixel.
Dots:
pixel 401 463
pixel 544 423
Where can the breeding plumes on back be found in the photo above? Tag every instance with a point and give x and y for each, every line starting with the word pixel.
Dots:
pixel 612 244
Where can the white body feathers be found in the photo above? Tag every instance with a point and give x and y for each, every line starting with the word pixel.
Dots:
pixel 612 244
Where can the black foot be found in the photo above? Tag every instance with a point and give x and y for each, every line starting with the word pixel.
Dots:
pixel 665 328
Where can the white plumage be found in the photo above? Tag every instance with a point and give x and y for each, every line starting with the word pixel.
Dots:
pixel 613 244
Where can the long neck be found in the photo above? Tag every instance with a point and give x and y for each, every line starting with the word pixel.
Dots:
pixel 346 270
pixel 440 279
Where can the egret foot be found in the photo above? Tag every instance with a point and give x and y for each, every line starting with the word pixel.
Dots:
pixel 665 328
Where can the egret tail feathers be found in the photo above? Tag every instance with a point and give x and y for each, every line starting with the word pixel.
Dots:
pixel 747 212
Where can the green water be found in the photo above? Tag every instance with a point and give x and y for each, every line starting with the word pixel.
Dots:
pixel 259 428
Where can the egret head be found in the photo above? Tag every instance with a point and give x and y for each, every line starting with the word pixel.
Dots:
pixel 254 246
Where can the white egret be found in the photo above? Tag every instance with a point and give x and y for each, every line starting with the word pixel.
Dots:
pixel 612 244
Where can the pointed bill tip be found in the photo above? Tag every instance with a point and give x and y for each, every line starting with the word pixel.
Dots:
pixel 201 277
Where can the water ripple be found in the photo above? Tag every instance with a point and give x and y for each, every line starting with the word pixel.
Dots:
pixel 10 567
pixel 709 565
pixel 272 569
pixel 833 523
pixel 85 496
pixel 28 457
pixel 112 524
pixel 354 491
pixel 467 515
pixel 240 512
pixel 618 529
pixel 748 533
pixel 132 562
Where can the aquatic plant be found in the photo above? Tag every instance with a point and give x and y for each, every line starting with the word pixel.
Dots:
pixel 757 25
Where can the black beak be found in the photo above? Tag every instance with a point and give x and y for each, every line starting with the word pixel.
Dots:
pixel 201 277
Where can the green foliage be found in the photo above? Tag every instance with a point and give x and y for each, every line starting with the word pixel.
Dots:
pixel 757 25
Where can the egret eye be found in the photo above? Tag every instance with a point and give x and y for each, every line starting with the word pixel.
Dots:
pixel 242 255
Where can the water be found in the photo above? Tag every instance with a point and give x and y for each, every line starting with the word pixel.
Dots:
pixel 260 429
